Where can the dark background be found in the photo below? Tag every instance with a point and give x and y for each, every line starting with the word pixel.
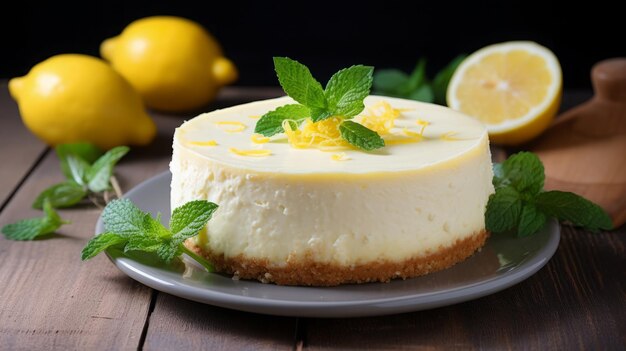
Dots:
pixel 328 35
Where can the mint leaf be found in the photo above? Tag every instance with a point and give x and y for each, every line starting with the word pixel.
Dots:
pixel 388 81
pixel 272 122
pixel 25 229
pixel 531 220
pixel 29 229
pixel 138 231
pixel 167 251
pixel 78 169
pixel 100 243
pixel 442 79
pixel 100 172
pixel 61 195
pixel 346 91
pixel 86 151
pixel 573 208
pixel 416 79
pixel 298 83
pixel 524 171
pixel 123 218
pixel 360 136
pixel 423 93
pixel 189 219
pixel 503 210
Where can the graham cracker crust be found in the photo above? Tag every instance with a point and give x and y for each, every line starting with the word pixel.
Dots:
pixel 307 271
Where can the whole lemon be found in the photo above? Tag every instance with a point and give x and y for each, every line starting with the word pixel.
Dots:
pixel 174 63
pixel 79 98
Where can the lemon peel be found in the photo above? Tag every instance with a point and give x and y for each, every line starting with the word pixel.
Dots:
pixel 236 126
pixel 250 153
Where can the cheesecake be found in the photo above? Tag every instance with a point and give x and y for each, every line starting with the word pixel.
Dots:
pixel 304 208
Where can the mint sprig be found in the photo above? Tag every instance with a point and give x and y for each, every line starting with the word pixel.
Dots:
pixel 521 204
pixel 416 86
pixel 131 229
pixel 31 228
pixel 87 172
pixel 343 97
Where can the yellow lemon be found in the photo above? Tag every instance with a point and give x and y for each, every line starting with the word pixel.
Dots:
pixel 79 98
pixel 173 62
pixel 514 88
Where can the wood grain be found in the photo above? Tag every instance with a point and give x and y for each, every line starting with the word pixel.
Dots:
pixel 584 151
pixel 49 299
pixel 576 302
pixel 187 325
pixel 19 149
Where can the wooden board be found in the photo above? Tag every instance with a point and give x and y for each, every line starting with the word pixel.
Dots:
pixel 585 150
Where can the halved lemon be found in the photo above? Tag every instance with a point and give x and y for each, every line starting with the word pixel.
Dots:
pixel 514 88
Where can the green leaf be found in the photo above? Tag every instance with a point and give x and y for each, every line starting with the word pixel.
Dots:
pixel 531 220
pixel 122 217
pixel 346 91
pixel 424 93
pixel 388 81
pixel 86 151
pixel 100 243
pixel 442 79
pixel 189 219
pixel 78 169
pixel 167 251
pixel 416 79
pixel 272 122
pixel 29 229
pixel 503 210
pixel 573 208
pixel 360 136
pixel 145 243
pixel 100 172
pixel 524 171
pixel 298 83
pixel 25 229
pixel 61 195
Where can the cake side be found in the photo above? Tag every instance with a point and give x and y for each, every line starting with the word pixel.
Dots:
pixel 309 271
pixel 298 217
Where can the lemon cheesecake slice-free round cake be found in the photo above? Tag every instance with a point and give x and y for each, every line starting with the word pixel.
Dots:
pixel 301 209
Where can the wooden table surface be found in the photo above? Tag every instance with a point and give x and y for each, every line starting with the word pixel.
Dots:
pixel 49 299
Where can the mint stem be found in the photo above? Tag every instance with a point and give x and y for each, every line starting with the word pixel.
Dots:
pixel 206 264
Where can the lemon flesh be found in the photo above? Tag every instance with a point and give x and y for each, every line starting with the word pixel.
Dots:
pixel 514 88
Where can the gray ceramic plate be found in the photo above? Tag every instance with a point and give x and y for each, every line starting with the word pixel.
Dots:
pixel 503 262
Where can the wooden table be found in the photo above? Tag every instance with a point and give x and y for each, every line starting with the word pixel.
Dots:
pixel 49 299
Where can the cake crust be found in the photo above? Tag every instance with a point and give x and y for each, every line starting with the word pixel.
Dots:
pixel 306 271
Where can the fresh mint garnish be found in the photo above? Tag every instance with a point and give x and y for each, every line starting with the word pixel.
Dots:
pixel 272 122
pixel 83 177
pixel 360 136
pixel 416 86
pixel 343 98
pixel 521 204
pixel 131 229
pixel 31 228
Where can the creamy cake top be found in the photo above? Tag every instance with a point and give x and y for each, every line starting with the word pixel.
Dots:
pixel 423 135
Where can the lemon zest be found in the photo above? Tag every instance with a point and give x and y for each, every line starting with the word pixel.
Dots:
pixel 250 153
pixel 450 136
pixel 341 156
pixel 259 139
pixel 380 117
pixel 323 135
pixel 237 126
pixel 204 143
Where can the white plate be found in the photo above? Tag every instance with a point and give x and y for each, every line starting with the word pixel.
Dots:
pixel 502 262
